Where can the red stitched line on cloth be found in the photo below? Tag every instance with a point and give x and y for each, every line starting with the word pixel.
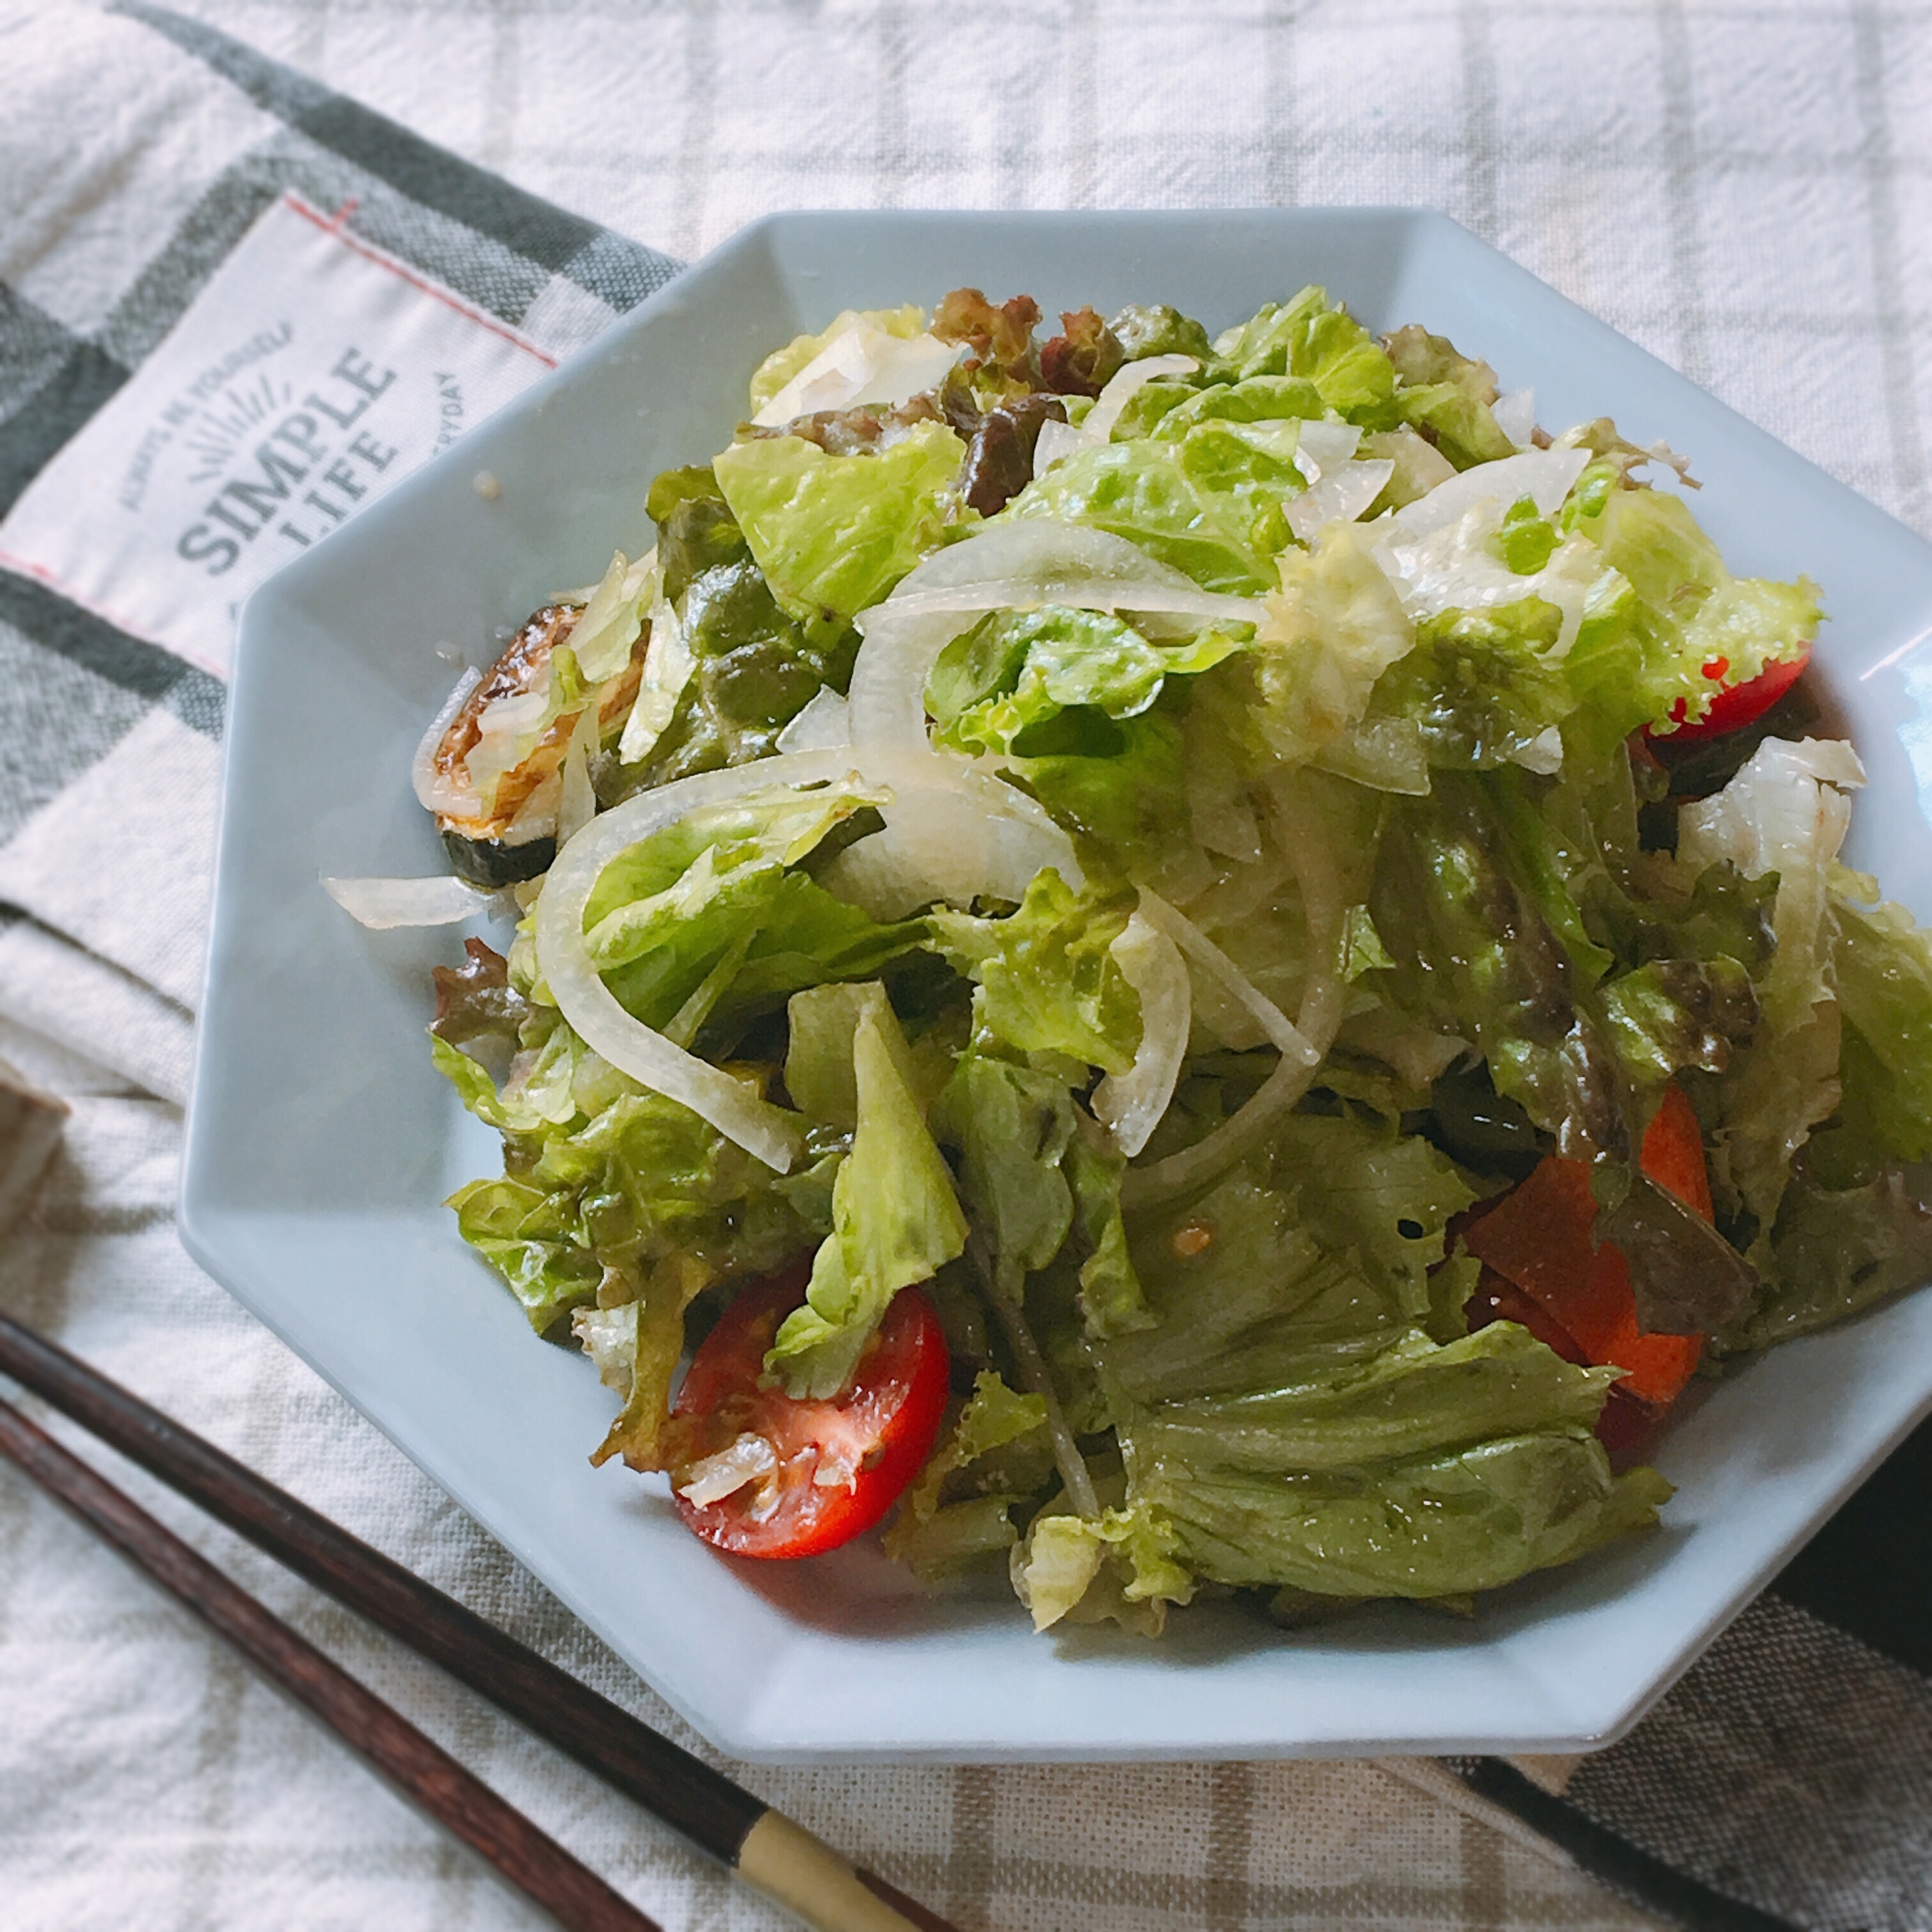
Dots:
pixel 335 226
pixel 23 567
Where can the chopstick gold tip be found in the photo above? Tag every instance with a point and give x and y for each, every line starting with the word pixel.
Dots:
pixel 804 1875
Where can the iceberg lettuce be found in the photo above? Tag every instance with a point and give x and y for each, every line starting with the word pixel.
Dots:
pixel 833 534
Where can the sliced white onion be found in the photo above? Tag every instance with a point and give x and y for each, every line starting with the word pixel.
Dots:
pixel 713 1478
pixel 1544 475
pixel 1057 442
pixel 1453 568
pixel 1341 495
pixel 966 832
pixel 1016 566
pixel 1544 754
pixel 435 791
pixel 1316 1021
pixel 1123 386
pixel 1131 1104
pixel 952 832
pixel 1320 446
pixel 770 1133
pixel 879 876
pixel 822 725
pixel 382 904
pixel 862 365
pixel 1516 415
pixel 1276 1027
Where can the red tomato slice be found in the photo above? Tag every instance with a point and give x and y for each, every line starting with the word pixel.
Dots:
pixel 1538 1239
pixel 1737 704
pixel 825 1471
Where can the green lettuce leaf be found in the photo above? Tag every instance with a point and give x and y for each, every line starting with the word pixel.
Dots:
pixel 1641 656
pixel 1316 1257
pixel 995 1455
pixel 1425 1526
pixel 1414 1398
pixel 1123 786
pixel 894 1219
pixel 819 1069
pixel 1668 1015
pixel 1882 967
pixel 1048 979
pixel 1146 491
pixel 533 1239
pixel 1010 1125
pixel 704 922
pixel 1014 671
pixel 1835 1251
pixel 1110 1298
pixel 1447 395
pixel 834 533
pixel 1275 400
pixel 1348 367
pixel 1481 689
pixel 1122 1565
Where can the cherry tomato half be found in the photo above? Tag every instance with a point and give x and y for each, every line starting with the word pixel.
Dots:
pixel 1736 706
pixel 816 1473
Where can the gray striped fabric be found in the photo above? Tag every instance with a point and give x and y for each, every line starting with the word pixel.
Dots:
pixel 1746 188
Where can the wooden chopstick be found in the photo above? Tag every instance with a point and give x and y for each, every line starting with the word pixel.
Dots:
pixel 532 1861
pixel 765 1848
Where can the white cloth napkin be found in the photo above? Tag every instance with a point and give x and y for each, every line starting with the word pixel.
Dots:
pixel 1745 191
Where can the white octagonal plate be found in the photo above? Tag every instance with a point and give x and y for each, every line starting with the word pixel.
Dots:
pixel 321 1142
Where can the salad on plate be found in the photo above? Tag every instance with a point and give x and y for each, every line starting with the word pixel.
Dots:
pixel 1170 964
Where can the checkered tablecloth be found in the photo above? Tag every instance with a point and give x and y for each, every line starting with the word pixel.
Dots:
pixel 1746 188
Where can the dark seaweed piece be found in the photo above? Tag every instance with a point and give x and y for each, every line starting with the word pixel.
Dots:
pixel 999 460
pixel 494 862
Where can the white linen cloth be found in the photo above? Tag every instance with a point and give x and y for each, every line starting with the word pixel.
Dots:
pixel 1744 189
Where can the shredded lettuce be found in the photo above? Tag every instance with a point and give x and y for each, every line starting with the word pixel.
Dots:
pixel 896 1219
pixel 783 364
